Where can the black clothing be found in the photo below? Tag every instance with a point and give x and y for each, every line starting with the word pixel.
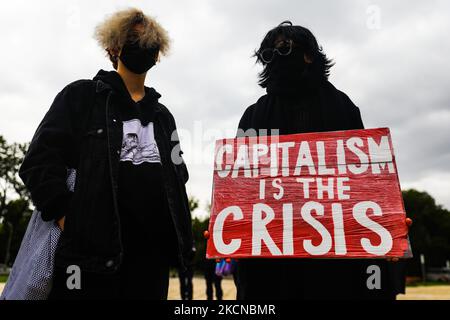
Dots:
pixel 137 278
pixel 186 286
pixel 142 200
pixel 186 275
pixel 82 130
pixel 317 107
pixel 213 281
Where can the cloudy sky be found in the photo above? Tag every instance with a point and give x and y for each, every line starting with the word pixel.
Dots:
pixel 391 59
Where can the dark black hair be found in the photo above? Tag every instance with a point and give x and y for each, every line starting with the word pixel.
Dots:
pixel 304 39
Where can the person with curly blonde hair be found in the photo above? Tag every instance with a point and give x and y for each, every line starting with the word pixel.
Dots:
pixel 127 219
pixel 131 27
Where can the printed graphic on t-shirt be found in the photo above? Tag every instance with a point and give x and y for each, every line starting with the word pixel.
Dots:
pixel 138 144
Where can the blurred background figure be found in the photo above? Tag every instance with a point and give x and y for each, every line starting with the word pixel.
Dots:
pixel 212 280
pixel 186 286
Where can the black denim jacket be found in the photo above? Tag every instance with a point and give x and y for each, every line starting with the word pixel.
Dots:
pixel 81 130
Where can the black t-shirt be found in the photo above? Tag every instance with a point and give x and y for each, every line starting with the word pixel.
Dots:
pixel 146 225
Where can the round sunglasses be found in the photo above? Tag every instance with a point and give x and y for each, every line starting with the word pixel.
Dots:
pixel 268 54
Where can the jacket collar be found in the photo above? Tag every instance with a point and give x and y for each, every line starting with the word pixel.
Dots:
pixel 103 86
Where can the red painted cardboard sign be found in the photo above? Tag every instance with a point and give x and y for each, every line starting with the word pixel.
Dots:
pixel 315 195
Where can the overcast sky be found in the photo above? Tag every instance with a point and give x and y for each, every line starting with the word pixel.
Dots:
pixel 391 60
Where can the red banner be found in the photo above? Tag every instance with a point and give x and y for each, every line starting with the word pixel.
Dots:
pixel 314 195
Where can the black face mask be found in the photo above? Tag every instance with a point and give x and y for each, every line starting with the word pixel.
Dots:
pixel 288 70
pixel 137 59
pixel 291 74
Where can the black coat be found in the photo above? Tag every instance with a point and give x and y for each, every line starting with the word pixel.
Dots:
pixel 81 130
pixel 322 108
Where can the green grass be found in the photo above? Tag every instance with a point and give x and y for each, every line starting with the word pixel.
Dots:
pixel 428 284
pixel 3 278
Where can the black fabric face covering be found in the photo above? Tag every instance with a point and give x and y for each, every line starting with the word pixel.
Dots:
pixel 137 59
pixel 288 70
pixel 291 74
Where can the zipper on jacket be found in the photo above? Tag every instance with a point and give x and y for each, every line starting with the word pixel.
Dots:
pixel 111 176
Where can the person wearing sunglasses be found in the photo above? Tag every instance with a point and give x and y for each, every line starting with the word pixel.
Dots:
pixel 282 47
pixel 300 99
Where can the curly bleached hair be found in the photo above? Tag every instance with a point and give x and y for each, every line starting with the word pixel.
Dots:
pixel 119 28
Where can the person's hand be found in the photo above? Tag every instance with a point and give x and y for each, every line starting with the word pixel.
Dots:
pixel 408 222
pixel 60 223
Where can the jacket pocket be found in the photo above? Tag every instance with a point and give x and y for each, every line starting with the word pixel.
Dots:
pixel 97 142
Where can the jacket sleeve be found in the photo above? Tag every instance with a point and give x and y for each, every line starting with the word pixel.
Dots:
pixel 354 114
pixel 176 151
pixel 355 119
pixel 44 168
pixel 245 122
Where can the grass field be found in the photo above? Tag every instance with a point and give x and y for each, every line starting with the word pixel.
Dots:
pixel 429 291
pixel 417 292
pixel 3 278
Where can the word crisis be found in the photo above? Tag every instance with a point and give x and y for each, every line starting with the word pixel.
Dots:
pixel 321 242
